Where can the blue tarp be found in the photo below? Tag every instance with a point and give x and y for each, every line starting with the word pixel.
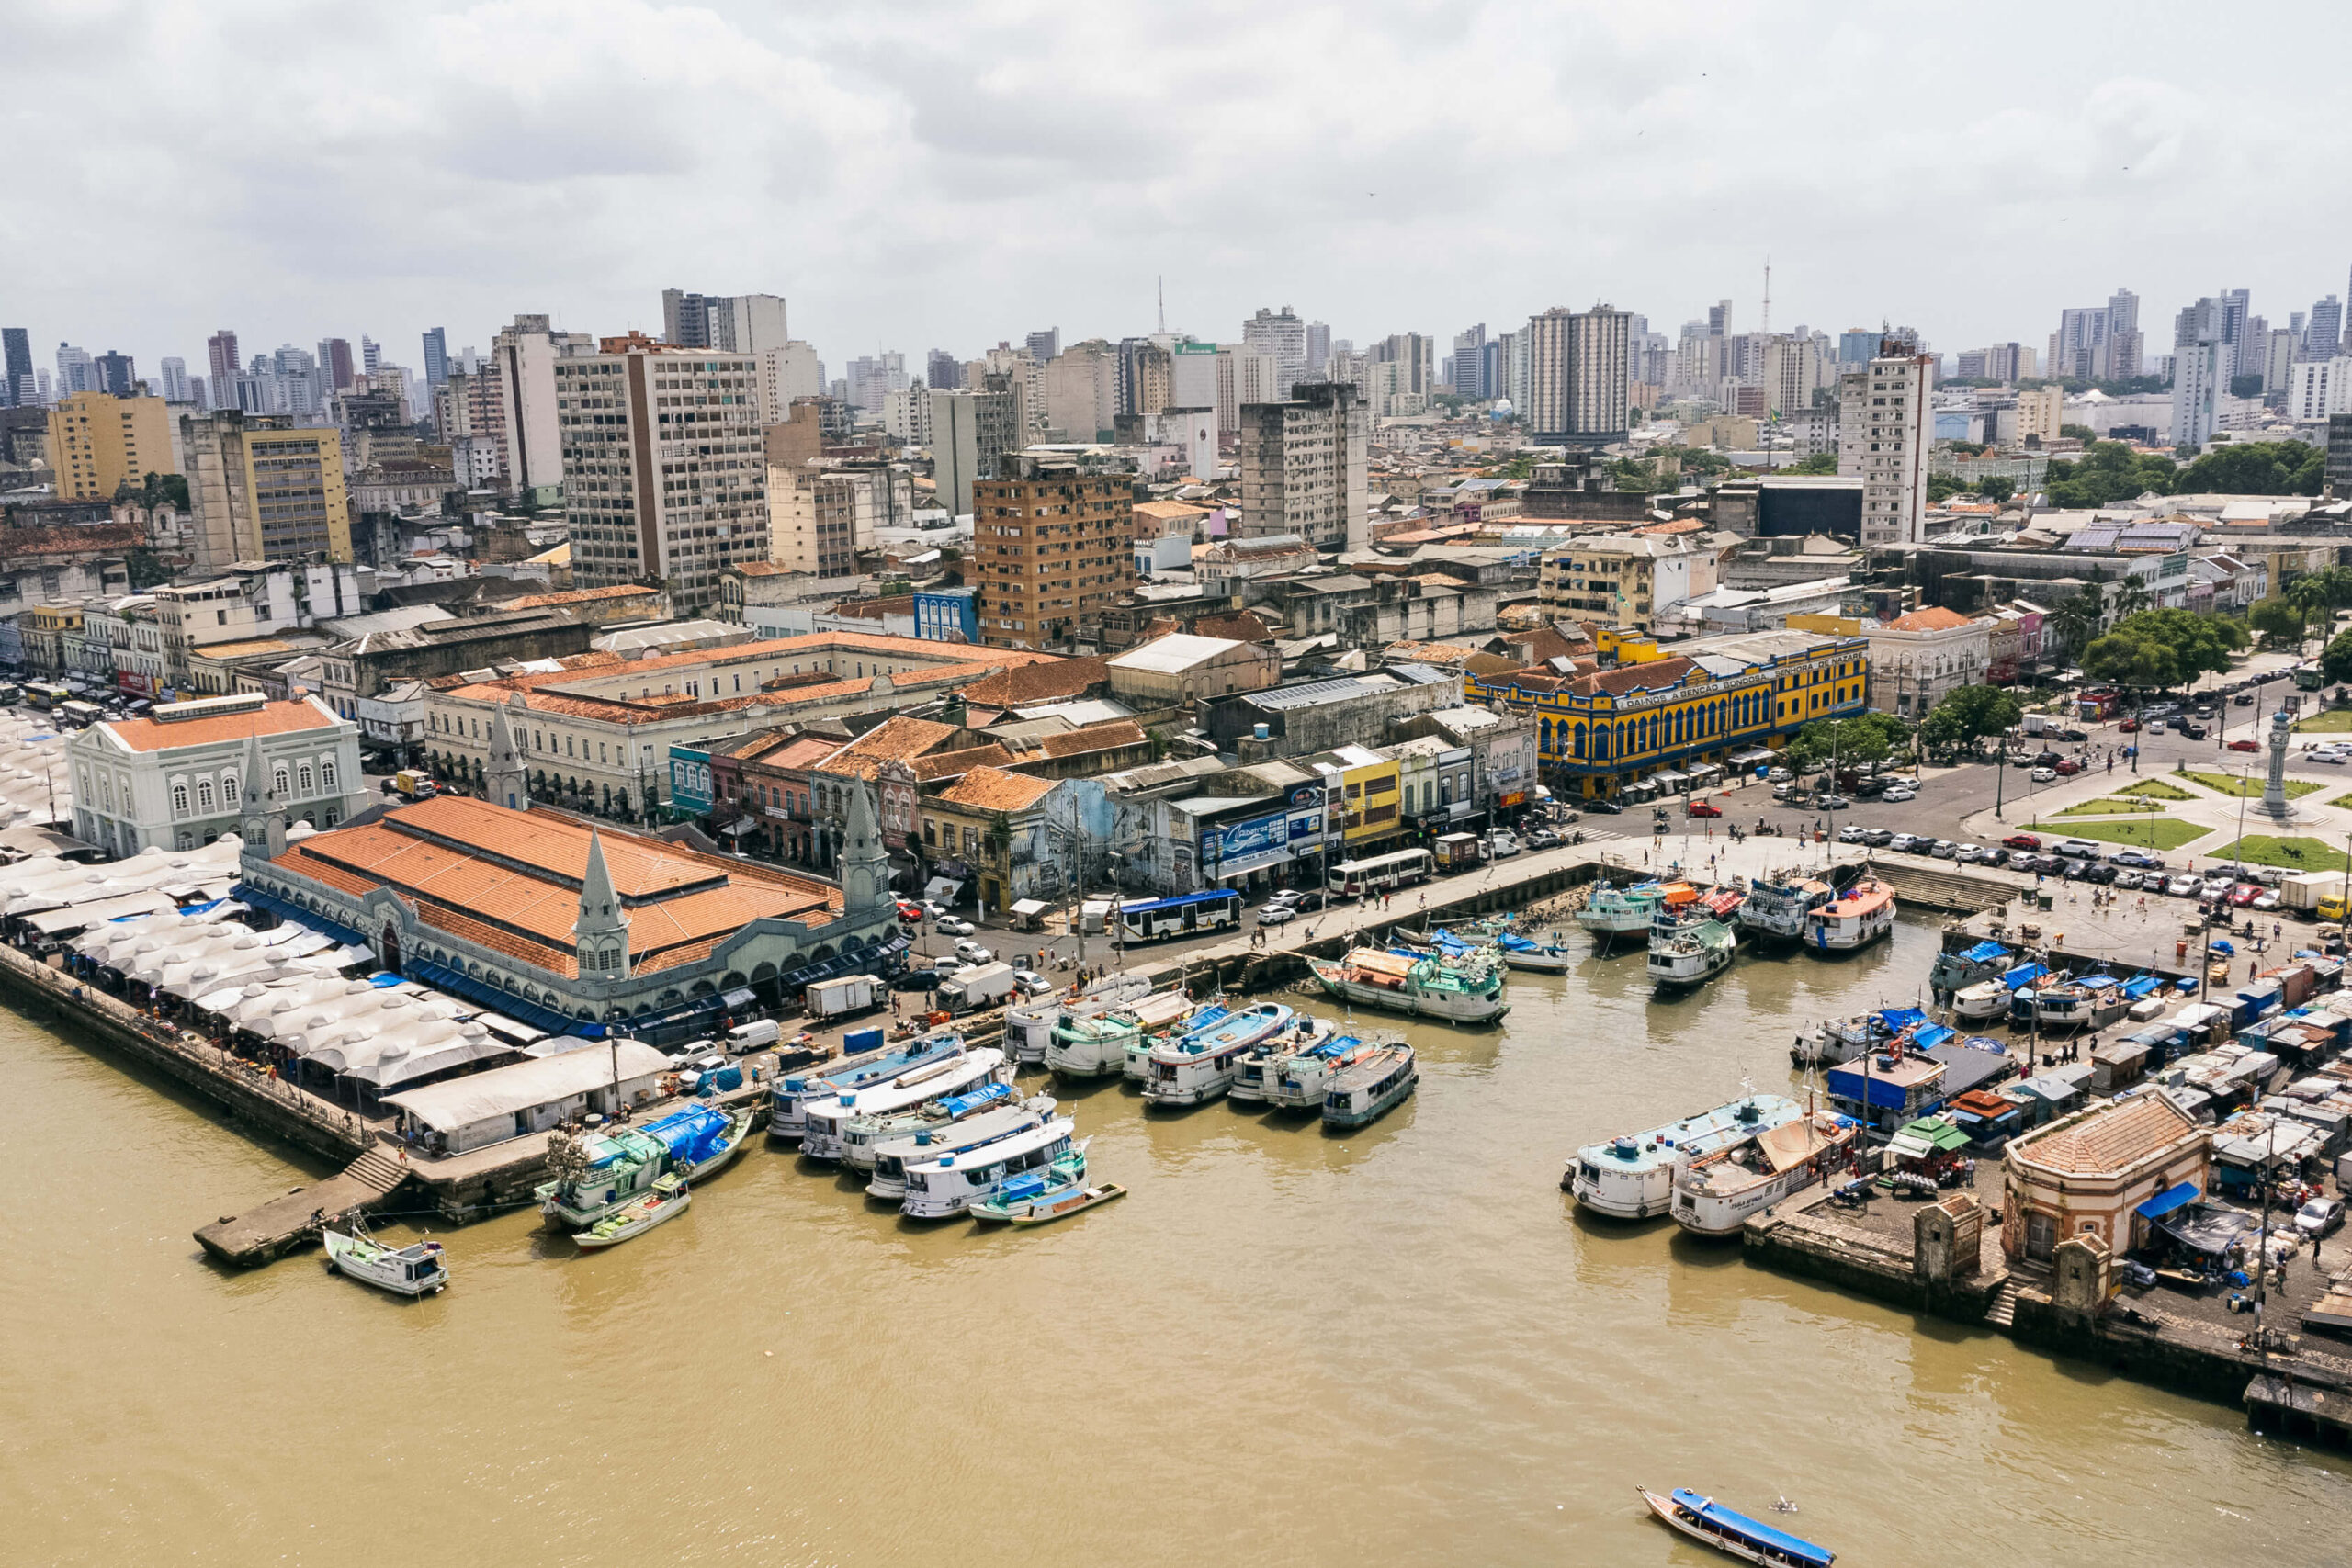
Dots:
pixel 443 977
pixel 2141 986
pixel 1932 1034
pixel 1985 953
pixel 691 1135
pixel 2099 982
pixel 1900 1019
pixel 2221 944
pixel 1795 1547
pixel 2024 974
pixel 2171 1198
pixel 383 978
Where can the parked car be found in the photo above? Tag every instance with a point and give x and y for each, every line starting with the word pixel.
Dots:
pixel 2022 842
pixel 1779 776
pixel 2103 874
pixel 2240 744
pixel 1943 849
pixel 2128 727
pixel 915 980
pixel 2141 859
pixel 2045 776
pixel 2215 887
pixel 936 910
pixel 2264 901
pixel 2073 870
pixel 2082 849
pixel 952 925
pixel 1543 838
pixel 1834 803
pixel 1275 914
pixel 1703 808
pixel 2065 767
pixel 1602 807
pixel 2184 886
pixel 1907 842
pixel 973 953
pixel 1032 983
pixel 1853 833
pixel 1968 852
pixel 2128 881
pixel 1994 855
pixel 2245 893
pixel 1900 793
pixel 911 913
pixel 2321 1216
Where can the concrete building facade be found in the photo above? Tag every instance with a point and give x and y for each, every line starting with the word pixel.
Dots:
pixel 1885 424
pixel 263 489
pixel 98 442
pixel 1050 545
pixel 1305 469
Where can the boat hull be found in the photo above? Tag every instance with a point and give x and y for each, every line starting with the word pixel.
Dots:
pixel 1359 1116
pixel 636 1225
pixel 378 1266
pixel 1729 1546
pixel 1551 962
pixel 1456 1009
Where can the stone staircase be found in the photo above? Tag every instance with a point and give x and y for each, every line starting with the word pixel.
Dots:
pixel 2004 1310
pixel 376 1170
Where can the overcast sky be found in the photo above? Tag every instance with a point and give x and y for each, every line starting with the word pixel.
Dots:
pixel 914 176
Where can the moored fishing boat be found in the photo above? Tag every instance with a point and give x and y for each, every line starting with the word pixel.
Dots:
pixel 1715 1192
pixel 1842 1040
pixel 951 1184
pixel 1029 1029
pixel 596 1173
pixel 1549 957
pixel 1369 1086
pixel 862 1134
pixel 828 1120
pixel 1707 1521
pixel 1090 1044
pixel 892 1159
pixel 1777 904
pixel 702 1139
pixel 1197 1067
pixel 788 1101
pixel 1300 1080
pixel 1955 972
pixel 668 1200
pixel 1135 1055
pixel 1467 990
pixel 417 1270
pixel 1631 1177
pixel 1686 952
pixel 1852 920
pixel 1046 1194
pixel 1061 1203
pixel 1982 1002
pixel 2093 1001
pixel 1612 911
pixel 1254 1073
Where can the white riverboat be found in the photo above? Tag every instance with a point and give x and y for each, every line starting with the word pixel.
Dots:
pixel 891 1158
pixel 1369 1087
pixel 1612 911
pixel 1983 1002
pixel 1631 1177
pixel 1090 1044
pixel 1029 1029
pixel 828 1120
pixel 1972 965
pixel 1254 1075
pixel 668 1200
pixel 1778 903
pixel 2093 1001
pixel 417 1270
pixel 1715 1193
pixel 951 1184
pixel 787 1103
pixel 1199 1066
pixel 1689 951
pixel 1135 1062
pixel 1852 921
pixel 862 1134
pixel 1304 1078
pixel 1468 990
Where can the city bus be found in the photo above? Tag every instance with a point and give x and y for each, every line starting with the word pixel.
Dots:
pixel 1183 914
pixel 1359 878
pixel 46 694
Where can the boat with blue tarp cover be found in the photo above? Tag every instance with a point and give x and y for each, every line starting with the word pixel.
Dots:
pixel 788 1104
pixel 2094 1001
pixel 892 1159
pixel 862 1134
pixel 1200 1065
pixel 1135 1055
pixel 1549 957
pixel 1954 971
pixel 702 1140
pixel 826 1136
pixel 1846 1039
pixel 1751 1541
pixel 1631 1177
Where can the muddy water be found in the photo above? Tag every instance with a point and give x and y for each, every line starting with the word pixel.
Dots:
pixel 1399 1346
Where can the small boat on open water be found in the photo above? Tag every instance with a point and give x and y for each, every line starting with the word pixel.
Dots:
pixel 1735 1534
pixel 668 1200
pixel 417 1270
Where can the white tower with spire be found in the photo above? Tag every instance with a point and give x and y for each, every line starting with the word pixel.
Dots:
pixel 260 815
pixel 865 864
pixel 600 935
pixel 503 779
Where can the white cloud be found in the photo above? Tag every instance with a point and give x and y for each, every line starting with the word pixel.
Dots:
pixel 936 174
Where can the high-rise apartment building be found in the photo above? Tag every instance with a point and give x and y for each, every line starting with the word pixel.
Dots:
pixel 334 364
pixel 437 356
pixel 114 375
pixel 941 371
pixel 98 442
pixel 77 370
pixel 2323 335
pixel 1885 424
pixel 1305 469
pixel 1245 376
pixel 526 355
pixel 788 372
pixel 263 489
pixel 1282 335
pixel 2040 412
pixel 174 374
pixel 1470 363
pixel 971 433
pixel 1052 546
pixel 222 367
pixel 1082 391
pixel 2200 371
pixel 873 378
pixel 371 354
pixel 812 520
pixel 739 323
pixel 1044 345
pixel 664 472
pixel 2278 358
pixel 16 367
pixel 1578 372
pixel 1319 347
pixel 1857 346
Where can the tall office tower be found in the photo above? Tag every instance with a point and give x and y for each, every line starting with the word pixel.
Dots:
pixel 1857 346
pixel 1470 363
pixel 1192 375
pixel 334 364
pixel 223 366
pixel 526 355
pixel 263 489
pixel 77 371
pixel 176 387
pixel 1145 377
pixel 1246 375
pixel 1885 417
pixel 1054 546
pixel 664 470
pixel 788 371
pixel 941 371
pixel 2324 335
pixel 1319 347
pixel 98 442
pixel 371 354
pixel 739 323
pixel 2278 359
pixel 1282 335
pixel 2236 306
pixel 1044 345
pixel 685 318
pixel 1719 319
pixel 2124 339
pixel 15 366
pixel 872 379
pixel 1578 374
pixel 972 433
pixel 1305 469
pixel 2250 355
pixel 2200 371
pixel 437 356
pixel 114 375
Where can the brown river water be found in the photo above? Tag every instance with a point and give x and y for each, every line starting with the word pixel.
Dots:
pixel 1284 1347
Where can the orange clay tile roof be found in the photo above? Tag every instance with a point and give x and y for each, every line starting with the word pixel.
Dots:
pixel 993 789
pixel 954 765
pixel 2111 1138
pixel 577 596
pixel 801 751
pixel 685 952
pixel 1108 736
pixel 1656 675
pixel 896 739
pixel 1935 620
pixel 1247 626
pixel 1427 653
pixel 1031 683
pixel 270 718
pixel 481 934
pixel 518 872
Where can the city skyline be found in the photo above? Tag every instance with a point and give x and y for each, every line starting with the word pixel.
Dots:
pixel 456 164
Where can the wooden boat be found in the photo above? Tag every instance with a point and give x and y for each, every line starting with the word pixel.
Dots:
pixel 1688 952
pixel 598 1174
pixel 1852 921
pixel 703 1141
pixel 1255 1073
pixel 665 1202
pixel 959 1138
pixel 417 1270
pixel 1549 957
pixel 1135 1055
pixel 1368 1088
pixel 1018 1194
pixel 1612 911
pixel 1735 1534
pixel 1778 903
pixel 1201 1066
pixel 1090 1044
pixel 1041 1212
pixel 1469 990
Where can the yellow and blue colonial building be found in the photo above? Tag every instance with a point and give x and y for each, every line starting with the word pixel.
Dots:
pixel 1646 711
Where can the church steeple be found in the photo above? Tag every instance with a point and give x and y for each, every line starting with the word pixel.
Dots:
pixel 260 815
pixel 865 864
pixel 503 779
pixel 600 935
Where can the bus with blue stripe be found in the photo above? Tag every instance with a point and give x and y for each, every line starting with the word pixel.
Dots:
pixel 1179 916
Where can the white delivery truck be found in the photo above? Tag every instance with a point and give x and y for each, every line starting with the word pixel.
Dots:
pixel 984 987
pixel 752 1036
pixel 848 993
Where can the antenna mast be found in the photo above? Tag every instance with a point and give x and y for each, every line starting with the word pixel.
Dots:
pixel 1163 304
pixel 1768 297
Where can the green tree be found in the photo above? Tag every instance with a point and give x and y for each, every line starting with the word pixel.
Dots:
pixel 2080 616
pixel 2248 385
pixel 2108 472
pixel 1628 473
pixel 2158 650
pixel 1866 738
pixel 2278 619
pixel 2078 433
pixel 2335 662
pixel 1966 716
pixel 2256 468
pixel 146 567
pixel 1819 463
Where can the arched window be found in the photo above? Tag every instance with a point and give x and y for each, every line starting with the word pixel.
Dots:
pixel 306 780
pixel 277 780
pixel 179 798
pixel 204 795
pixel 228 787
pixel 326 773
pixel 1581 742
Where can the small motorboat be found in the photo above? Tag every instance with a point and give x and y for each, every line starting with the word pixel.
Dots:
pixel 666 1201
pixel 1047 1207
pixel 417 1270
pixel 1735 1534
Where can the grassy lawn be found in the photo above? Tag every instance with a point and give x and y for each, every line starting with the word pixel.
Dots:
pixel 2113 807
pixel 2293 855
pixel 2251 786
pixel 2156 789
pixel 2335 721
pixel 2159 834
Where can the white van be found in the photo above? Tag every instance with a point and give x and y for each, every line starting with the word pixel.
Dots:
pixel 753 1035
pixel 1500 844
